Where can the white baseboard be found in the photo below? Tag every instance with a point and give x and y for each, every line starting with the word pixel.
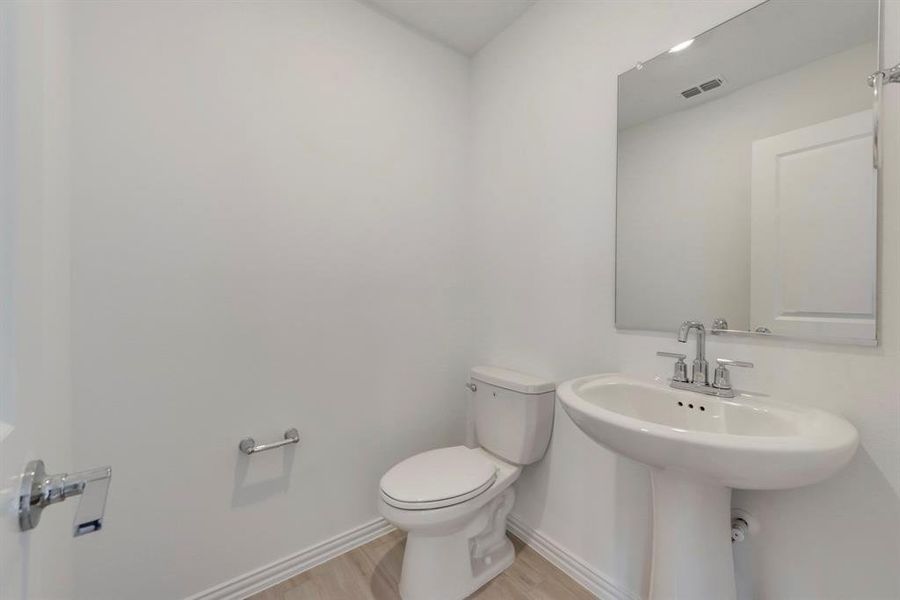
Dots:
pixel 265 577
pixel 285 568
pixel 591 579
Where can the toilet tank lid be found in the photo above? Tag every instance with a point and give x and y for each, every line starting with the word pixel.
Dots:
pixel 513 380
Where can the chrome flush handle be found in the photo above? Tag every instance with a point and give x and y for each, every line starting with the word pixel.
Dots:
pixel 39 490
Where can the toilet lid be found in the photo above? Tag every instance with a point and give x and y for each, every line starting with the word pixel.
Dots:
pixel 438 478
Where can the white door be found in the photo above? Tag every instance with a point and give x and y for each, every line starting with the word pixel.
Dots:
pixel 813 231
pixel 35 408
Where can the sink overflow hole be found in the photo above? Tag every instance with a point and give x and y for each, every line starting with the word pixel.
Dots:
pixel 680 403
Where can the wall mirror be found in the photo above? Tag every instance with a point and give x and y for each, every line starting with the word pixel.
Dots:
pixel 746 192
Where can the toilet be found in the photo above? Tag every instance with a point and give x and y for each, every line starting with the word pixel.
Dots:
pixel 453 502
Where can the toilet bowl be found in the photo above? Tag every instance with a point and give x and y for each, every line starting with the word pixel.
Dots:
pixel 453 502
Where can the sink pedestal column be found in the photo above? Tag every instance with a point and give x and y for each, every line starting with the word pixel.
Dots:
pixel 692 558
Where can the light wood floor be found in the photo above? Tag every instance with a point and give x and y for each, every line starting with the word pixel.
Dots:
pixel 372 572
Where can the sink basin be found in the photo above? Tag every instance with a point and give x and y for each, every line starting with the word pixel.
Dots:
pixel 699 448
pixel 744 442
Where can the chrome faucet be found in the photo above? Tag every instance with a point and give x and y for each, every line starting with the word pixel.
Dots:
pixel 699 379
pixel 700 368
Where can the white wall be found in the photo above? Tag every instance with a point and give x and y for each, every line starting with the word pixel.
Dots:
pixel 544 113
pixel 667 188
pixel 267 231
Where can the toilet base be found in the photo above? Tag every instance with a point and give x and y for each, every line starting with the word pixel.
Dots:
pixel 452 566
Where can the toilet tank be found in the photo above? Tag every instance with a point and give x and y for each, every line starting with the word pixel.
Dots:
pixel 513 413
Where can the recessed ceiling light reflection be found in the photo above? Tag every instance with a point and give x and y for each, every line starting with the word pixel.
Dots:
pixel 681 46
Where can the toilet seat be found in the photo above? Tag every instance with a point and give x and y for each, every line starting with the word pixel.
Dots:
pixel 438 478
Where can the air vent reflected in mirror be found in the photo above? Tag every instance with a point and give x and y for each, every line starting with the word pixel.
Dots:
pixel 706 86
pixel 711 84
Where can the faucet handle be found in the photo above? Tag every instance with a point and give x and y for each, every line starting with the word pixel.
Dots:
pixel 727 362
pixel 680 372
pixel 722 379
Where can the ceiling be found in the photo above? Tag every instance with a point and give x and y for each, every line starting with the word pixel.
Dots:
pixel 465 25
pixel 774 37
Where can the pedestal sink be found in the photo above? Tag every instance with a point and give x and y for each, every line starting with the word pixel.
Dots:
pixel 699 448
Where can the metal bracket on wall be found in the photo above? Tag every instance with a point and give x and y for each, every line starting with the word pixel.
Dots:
pixel 877 80
pixel 891 75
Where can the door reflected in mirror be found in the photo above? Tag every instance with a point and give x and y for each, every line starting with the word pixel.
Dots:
pixel 746 190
